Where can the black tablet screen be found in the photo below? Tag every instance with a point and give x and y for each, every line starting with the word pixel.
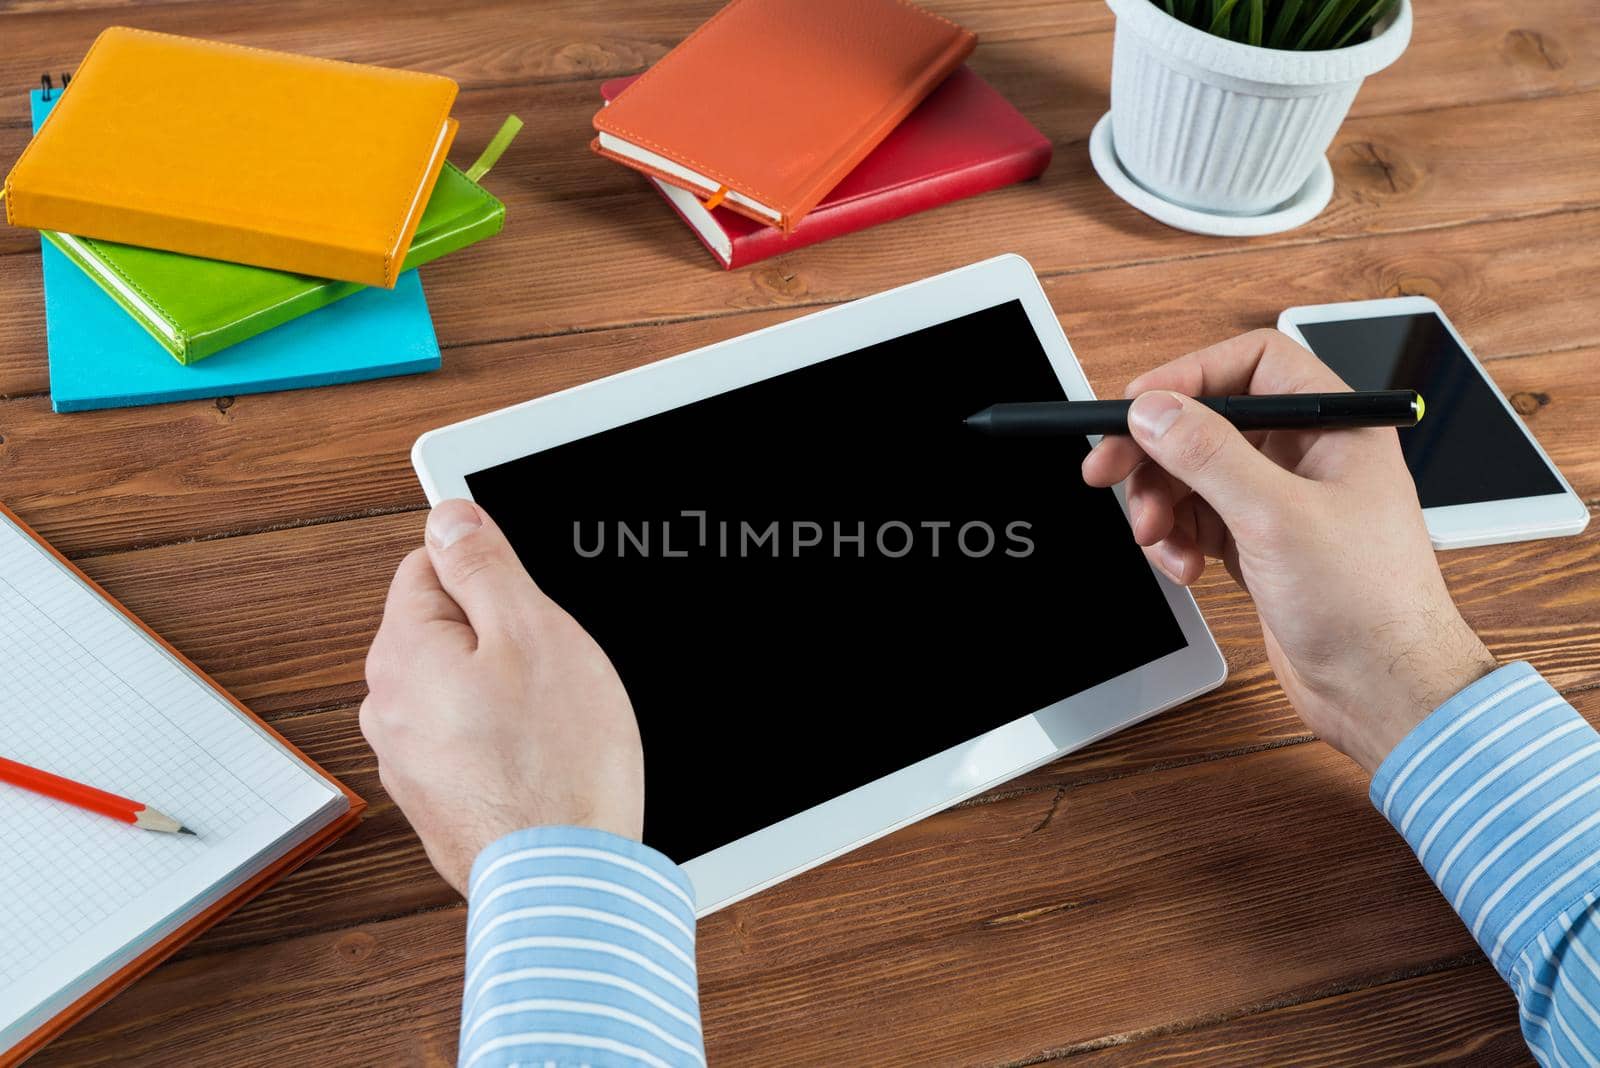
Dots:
pixel 816 580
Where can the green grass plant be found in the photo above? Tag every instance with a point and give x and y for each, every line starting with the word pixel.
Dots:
pixel 1295 25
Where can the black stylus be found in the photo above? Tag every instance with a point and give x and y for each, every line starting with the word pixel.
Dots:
pixel 1288 411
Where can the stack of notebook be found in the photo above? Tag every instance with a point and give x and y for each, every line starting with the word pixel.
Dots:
pixel 218 220
pixel 781 123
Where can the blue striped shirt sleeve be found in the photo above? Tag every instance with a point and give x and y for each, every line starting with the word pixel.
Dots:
pixel 1498 793
pixel 580 951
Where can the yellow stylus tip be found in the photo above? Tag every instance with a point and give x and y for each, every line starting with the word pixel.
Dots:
pixel 1422 406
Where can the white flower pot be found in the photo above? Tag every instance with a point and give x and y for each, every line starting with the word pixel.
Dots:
pixel 1224 127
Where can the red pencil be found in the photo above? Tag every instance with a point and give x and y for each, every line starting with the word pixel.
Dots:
pixel 87 797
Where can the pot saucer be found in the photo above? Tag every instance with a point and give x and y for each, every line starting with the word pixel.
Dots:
pixel 1296 211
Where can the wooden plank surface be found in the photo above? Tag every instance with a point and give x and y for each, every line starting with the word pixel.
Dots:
pixel 1128 906
pixel 1462 1015
pixel 205 469
pixel 1395 173
pixel 379 869
pixel 1391 177
pixel 1210 887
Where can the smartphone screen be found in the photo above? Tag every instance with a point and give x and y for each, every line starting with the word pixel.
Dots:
pixel 1468 449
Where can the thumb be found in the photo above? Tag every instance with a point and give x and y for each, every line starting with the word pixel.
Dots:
pixel 1202 449
pixel 476 565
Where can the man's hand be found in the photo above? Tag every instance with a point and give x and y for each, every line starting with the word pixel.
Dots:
pixel 1322 529
pixel 489 707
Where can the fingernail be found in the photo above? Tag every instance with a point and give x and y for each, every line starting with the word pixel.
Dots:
pixel 1172 561
pixel 450 521
pixel 1154 413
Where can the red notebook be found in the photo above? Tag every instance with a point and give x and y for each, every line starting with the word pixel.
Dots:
pixel 962 140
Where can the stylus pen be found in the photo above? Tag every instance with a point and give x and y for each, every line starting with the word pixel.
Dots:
pixel 1287 411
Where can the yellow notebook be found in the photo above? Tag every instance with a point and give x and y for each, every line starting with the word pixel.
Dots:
pixel 240 154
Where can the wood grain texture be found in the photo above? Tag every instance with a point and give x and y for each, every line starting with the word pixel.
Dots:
pixel 995 933
pixel 1467 51
pixel 242 608
pixel 1036 924
pixel 1395 172
pixel 485 44
pixel 384 993
pixel 1210 887
pixel 1460 1016
pixel 97 481
pixel 238 623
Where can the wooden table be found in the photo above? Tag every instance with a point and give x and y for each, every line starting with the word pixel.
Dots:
pixel 1211 887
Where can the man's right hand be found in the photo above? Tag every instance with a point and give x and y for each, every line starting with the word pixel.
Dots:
pixel 1321 528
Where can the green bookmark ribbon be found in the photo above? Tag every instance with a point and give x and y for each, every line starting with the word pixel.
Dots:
pixel 496 148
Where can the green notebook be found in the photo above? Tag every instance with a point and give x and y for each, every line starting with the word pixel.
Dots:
pixel 197 307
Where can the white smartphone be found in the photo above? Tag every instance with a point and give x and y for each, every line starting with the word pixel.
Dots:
pixel 1480 474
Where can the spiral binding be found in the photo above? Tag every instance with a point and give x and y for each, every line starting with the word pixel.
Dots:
pixel 46 86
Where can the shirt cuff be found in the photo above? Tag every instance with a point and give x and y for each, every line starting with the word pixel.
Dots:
pixel 580 950
pixel 1498 794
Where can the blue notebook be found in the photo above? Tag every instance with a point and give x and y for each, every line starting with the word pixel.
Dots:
pixel 101 358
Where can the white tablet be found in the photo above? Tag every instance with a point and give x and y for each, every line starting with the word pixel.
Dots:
pixel 1481 476
pixel 836 609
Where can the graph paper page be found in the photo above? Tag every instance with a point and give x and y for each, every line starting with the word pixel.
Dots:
pixel 86 694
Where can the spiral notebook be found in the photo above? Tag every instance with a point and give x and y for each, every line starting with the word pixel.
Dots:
pixel 89 692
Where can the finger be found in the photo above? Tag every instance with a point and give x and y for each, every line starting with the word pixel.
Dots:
pixel 1152 496
pixel 1116 457
pixel 1230 560
pixel 1196 445
pixel 1182 375
pixel 1178 554
pixel 416 595
pixel 1112 460
pixel 1288 447
pixel 1262 361
pixel 416 610
pixel 1361 452
pixel 1177 557
pixel 478 568
pixel 1210 533
pixel 1194 517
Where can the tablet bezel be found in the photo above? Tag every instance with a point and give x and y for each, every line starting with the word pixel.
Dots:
pixel 444 457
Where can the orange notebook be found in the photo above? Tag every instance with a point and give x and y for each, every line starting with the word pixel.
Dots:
pixel 240 154
pixel 766 107
pixel 89 692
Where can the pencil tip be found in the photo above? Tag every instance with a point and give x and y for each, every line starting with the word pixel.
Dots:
pixel 187 831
